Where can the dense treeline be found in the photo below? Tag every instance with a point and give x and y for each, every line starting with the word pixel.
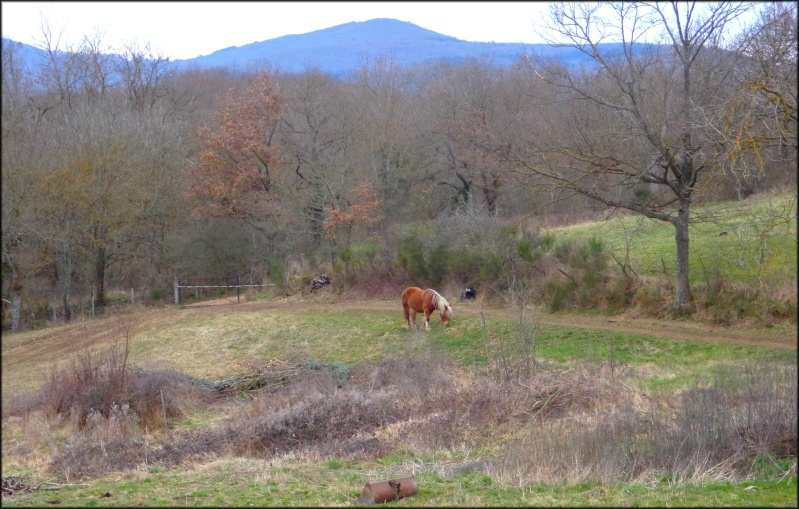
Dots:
pixel 121 173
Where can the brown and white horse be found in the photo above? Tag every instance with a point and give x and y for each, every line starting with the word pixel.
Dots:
pixel 417 300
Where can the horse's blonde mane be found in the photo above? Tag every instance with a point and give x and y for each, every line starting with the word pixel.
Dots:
pixel 439 301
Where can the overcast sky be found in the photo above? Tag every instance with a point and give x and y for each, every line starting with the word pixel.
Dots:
pixel 189 29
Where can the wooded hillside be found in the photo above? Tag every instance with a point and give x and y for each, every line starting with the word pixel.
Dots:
pixel 120 175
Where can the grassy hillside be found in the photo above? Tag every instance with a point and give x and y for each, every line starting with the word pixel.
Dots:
pixel 302 400
pixel 212 342
pixel 494 410
pixel 752 241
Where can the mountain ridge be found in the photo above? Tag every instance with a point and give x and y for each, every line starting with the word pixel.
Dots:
pixel 341 49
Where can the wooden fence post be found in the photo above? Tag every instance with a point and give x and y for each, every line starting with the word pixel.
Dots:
pixel 177 292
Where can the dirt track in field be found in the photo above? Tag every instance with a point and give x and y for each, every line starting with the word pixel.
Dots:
pixel 62 343
pixel 786 337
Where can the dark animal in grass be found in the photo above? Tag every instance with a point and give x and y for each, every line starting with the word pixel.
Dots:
pixel 319 282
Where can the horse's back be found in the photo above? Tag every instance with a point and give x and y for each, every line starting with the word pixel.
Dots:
pixel 412 296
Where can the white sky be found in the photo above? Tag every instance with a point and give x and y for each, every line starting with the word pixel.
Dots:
pixel 182 30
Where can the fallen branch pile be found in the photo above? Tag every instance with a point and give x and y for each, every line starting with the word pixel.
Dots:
pixel 11 486
pixel 272 375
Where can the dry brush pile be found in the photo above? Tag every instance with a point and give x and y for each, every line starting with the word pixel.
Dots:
pixel 554 425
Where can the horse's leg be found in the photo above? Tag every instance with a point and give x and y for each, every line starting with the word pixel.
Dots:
pixel 407 317
pixel 427 319
pixel 413 320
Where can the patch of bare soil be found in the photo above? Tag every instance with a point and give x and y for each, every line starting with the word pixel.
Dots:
pixel 214 302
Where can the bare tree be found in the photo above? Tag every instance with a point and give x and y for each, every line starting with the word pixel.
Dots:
pixel 645 119
pixel 112 175
pixel 18 139
pixel 60 73
pixel 772 46
pixel 762 114
pixel 388 135
pixel 104 174
pixel 95 66
pixel 143 74
pixel 317 133
pixel 468 103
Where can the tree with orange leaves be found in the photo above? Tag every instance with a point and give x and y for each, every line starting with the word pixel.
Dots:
pixel 363 215
pixel 360 220
pixel 236 171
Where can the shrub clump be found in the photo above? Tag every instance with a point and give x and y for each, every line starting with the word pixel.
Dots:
pixel 721 428
pixel 93 387
pixel 577 425
pixel 107 443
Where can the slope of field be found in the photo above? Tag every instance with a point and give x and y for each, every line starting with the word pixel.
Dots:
pixel 599 393
pixel 210 339
pixel 749 241
pixel 470 441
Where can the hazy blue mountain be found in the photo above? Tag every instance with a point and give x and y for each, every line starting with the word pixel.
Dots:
pixel 343 48
pixel 28 57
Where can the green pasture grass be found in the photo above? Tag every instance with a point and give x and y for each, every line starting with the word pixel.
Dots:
pixel 212 343
pixel 669 363
pixel 742 241
pixel 444 479
pixel 562 346
pixel 220 344
pixel 471 343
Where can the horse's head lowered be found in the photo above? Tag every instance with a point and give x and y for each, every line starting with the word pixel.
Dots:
pixel 415 300
pixel 445 309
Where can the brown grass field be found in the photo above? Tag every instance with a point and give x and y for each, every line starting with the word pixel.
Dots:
pixel 450 413
pixel 28 356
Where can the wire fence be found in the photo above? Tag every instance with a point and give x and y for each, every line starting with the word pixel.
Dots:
pixel 213 283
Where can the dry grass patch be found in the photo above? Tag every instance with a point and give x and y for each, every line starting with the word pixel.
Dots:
pixel 588 423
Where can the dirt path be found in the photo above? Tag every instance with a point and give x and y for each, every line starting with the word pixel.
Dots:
pixel 785 337
pixel 61 344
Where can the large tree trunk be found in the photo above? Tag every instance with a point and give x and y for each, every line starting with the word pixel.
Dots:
pixel 99 277
pixel 491 195
pixel 67 286
pixel 464 190
pixel 16 304
pixel 682 299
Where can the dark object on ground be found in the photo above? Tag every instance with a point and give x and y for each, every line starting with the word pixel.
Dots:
pixel 468 294
pixel 393 489
pixel 11 486
pixel 319 282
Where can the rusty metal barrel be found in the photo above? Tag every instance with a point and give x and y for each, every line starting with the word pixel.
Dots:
pixel 390 489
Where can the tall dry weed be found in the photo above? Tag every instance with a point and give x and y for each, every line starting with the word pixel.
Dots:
pixel 718 430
